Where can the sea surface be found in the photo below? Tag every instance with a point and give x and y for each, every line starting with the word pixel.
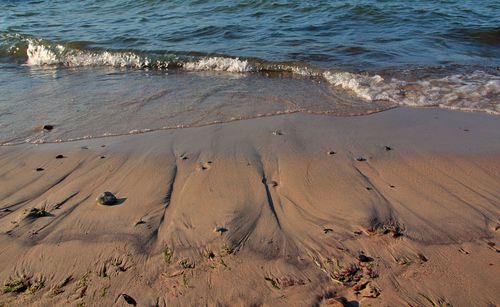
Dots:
pixel 95 68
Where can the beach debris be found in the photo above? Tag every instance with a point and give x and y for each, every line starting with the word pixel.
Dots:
pixel 129 299
pixel 360 159
pixel 391 227
pixel 210 254
pixel 18 284
pixel 39 169
pixel 374 292
pixel 59 157
pixel 360 286
pixel 347 276
pixel 331 153
pixel 368 189
pixel 37 212
pixel 56 290
pixel 221 230
pixel 388 148
pixel 277 132
pixel 186 264
pixel 227 250
pixel 358 232
pixel 274 283
pixel 290 281
pixel 327 230
pixel 107 199
pixel 37 284
pixel 167 254
pixel 102 157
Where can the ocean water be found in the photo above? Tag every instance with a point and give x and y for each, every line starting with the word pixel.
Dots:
pixel 94 68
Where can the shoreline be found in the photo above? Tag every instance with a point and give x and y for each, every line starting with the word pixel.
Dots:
pixel 268 211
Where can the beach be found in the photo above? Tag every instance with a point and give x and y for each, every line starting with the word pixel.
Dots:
pixel 249 153
pixel 397 208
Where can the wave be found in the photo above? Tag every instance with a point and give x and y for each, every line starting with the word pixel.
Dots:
pixel 470 90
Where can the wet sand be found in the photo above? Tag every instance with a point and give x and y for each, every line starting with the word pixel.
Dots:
pixel 399 208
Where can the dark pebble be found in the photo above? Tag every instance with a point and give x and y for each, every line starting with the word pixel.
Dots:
pixel 59 156
pixel 47 127
pixel 364 258
pixel 107 199
pixel 39 169
pixel 360 159
pixel 129 299
pixel 387 148
pixel 331 153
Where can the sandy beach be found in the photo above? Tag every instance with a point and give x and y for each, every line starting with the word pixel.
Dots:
pixel 399 208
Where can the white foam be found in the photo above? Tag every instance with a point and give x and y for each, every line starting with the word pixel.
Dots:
pixel 219 64
pixel 360 85
pixel 40 54
pixel 477 91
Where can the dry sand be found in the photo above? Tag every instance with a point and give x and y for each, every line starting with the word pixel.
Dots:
pixel 415 224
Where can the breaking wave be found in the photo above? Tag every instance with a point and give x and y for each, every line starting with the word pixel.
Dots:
pixel 470 90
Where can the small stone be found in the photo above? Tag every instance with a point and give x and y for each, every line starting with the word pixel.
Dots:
pixel 47 127
pixel 360 159
pixel 59 156
pixel 107 199
pixel 39 169
pixel 221 230
pixel 363 258
pixel 331 153
pixel 277 132
pixel 129 299
pixel 387 148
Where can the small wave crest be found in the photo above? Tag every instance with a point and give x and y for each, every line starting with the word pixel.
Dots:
pixel 475 91
pixel 472 90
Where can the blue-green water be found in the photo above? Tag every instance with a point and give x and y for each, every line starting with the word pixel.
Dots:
pixel 336 57
pixel 334 34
